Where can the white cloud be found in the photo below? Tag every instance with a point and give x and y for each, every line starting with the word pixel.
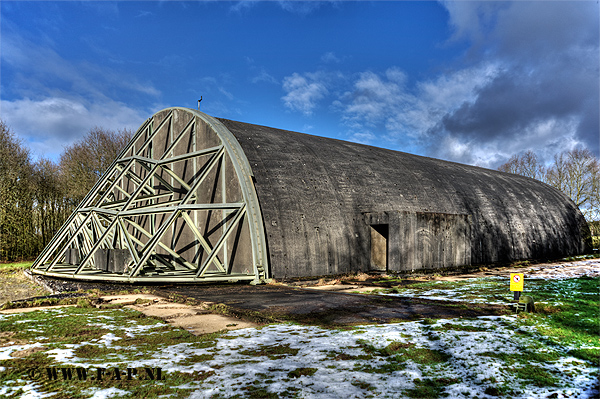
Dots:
pixel 303 92
pixel 329 58
pixel 226 93
pixel 263 76
pixel 242 6
pixel 363 137
pixel 50 124
pixel 374 99
pixel 143 14
pixel 522 28
pixel 51 101
pixel 38 65
pixel 300 7
pixel 382 101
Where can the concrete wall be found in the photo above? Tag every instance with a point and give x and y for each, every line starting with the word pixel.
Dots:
pixel 314 194
pixel 419 240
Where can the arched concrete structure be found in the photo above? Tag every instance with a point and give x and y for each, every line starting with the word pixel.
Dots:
pixel 194 198
pixel 323 202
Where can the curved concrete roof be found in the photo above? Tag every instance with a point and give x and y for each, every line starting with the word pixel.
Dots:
pixel 194 198
pixel 315 194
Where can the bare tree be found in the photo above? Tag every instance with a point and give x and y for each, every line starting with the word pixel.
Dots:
pixel 51 206
pixel 36 198
pixel 526 164
pixel 83 163
pixel 576 173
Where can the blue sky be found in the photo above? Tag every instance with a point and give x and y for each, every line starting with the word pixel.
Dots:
pixel 472 82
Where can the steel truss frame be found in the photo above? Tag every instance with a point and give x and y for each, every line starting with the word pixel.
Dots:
pixel 142 197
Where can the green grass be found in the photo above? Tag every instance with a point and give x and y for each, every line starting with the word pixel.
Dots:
pixel 363 385
pixel 69 330
pixel 77 325
pixel 193 359
pixel 396 354
pixel 406 351
pixel 302 371
pixel 573 318
pixel 10 267
pixel 430 388
pixel 567 310
pixel 93 351
pixel 535 375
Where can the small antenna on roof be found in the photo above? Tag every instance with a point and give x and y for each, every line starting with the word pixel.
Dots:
pixel 199 103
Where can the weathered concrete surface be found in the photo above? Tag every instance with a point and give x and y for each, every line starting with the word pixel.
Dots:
pixel 314 194
pixel 195 319
pixel 326 307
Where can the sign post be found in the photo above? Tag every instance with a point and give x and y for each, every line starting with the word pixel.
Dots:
pixel 516 284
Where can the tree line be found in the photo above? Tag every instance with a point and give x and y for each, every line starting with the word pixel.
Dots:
pixel 36 197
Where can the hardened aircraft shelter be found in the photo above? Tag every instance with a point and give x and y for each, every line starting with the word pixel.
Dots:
pixel 194 198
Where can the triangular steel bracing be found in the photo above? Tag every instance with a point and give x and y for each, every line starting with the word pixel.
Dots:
pixel 178 204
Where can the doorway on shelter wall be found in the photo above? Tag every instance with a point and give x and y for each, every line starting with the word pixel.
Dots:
pixel 379 246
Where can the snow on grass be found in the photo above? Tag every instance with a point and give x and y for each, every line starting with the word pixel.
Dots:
pixel 28 391
pixel 482 290
pixel 471 357
pixel 246 359
pixel 561 277
pixel 105 393
pixel 485 357
pixel 107 339
pixel 582 268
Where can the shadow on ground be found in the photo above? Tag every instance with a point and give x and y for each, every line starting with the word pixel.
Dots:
pixel 264 303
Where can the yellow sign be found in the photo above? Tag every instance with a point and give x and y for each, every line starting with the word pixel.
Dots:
pixel 516 281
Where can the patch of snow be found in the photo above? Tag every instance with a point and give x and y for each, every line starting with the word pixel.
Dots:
pixel 480 355
pixel 577 269
pixel 107 339
pixel 105 393
pixel 237 370
pixel 62 355
pixel 29 390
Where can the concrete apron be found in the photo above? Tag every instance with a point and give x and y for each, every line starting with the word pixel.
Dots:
pixel 195 319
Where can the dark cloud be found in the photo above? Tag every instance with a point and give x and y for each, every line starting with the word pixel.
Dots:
pixel 546 90
pixel 529 80
pixel 588 127
pixel 529 94
pixel 532 29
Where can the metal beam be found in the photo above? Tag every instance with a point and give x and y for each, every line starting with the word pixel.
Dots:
pixel 102 220
pixel 150 209
pixel 238 217
pixel 160 244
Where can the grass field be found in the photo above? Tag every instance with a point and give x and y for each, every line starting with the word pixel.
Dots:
pixel 550 354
